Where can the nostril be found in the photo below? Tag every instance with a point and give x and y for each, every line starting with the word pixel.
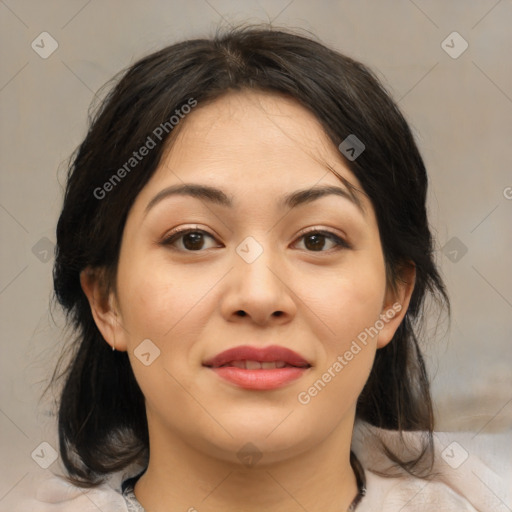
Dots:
pixel 241 313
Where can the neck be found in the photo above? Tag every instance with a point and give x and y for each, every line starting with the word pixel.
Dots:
pixel 181 477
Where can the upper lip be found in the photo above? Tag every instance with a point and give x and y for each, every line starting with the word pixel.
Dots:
pixel 262 354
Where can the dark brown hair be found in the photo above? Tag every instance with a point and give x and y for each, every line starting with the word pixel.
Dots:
pixel 102 420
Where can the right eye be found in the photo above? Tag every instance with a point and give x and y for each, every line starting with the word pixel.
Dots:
pixel 190 240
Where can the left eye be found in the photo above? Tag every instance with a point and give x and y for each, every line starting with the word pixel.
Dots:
pixel 193 240
pixel 315 240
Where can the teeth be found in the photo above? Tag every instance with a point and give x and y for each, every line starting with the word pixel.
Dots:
pixel 257 365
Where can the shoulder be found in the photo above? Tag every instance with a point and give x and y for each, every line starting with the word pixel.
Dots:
pixel 408 494
pixel 47 492
pixel 450 486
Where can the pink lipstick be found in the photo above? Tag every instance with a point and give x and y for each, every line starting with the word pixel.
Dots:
pixel 259 368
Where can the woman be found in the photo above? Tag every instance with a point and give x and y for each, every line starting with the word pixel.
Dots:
pixel 245 254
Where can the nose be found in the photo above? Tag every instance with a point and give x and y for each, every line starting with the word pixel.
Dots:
pixel 259 291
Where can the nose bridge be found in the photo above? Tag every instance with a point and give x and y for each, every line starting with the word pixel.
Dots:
pixel 257 288
pixel 255 260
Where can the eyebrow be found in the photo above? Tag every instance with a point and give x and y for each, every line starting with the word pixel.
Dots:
pixel 217 196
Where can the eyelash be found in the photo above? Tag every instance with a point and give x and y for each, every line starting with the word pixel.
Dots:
pixel 176 235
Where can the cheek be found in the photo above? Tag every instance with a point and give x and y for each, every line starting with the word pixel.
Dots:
pixel 172 308
pixel 158 300
pixel 162 307
pixel 349 308
pixel 347 302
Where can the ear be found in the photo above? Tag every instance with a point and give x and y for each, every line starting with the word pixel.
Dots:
pixel 103 307
pixel 396 302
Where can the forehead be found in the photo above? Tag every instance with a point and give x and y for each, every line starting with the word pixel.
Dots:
pixel 252 145
pixel 268 125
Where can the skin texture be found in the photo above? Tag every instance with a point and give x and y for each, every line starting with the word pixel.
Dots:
pixel 256 147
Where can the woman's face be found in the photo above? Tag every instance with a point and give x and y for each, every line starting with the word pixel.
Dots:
pixel 254 270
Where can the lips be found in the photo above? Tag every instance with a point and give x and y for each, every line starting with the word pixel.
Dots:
pixel 253 358
pixel 258 368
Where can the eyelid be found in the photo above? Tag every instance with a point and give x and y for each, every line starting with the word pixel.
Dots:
pixel 320 229
pixel 182 231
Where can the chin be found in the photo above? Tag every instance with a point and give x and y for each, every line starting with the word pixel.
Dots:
pixel 276 439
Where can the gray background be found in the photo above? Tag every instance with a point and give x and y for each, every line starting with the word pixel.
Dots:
pixel 460 110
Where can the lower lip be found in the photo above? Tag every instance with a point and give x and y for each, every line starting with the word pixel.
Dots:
pixel 259 379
